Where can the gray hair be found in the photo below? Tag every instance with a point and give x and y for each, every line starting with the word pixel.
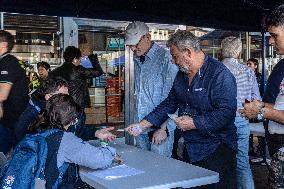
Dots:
pixel 184 40
pixel 231 47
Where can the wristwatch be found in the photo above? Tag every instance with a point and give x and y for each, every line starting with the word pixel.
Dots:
pixel 260 114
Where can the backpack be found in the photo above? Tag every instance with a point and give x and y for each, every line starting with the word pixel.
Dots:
pixel 26 168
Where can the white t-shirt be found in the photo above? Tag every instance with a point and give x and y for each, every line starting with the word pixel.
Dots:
pixel 274 127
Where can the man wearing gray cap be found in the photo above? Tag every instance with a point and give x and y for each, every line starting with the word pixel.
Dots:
pixel 154 76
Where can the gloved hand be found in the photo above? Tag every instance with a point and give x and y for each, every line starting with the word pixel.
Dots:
pixel 134 129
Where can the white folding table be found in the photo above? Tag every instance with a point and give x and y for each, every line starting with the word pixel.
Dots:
pixel 159 172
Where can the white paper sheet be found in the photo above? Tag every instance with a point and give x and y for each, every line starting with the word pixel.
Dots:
pixel 116 172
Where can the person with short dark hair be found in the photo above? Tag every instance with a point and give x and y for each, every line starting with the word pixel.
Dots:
pixel 61 112
pixel 75 74
pixel 254 65
pixel 49 87
pixel 272 105
pixel 14 91
pixel 37 103
pixel 43 68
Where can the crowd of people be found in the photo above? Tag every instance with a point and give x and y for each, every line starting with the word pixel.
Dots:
pixel 180 92
pixel 214 101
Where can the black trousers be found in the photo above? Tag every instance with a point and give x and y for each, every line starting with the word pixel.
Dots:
pixel 275 142
pixel 222 161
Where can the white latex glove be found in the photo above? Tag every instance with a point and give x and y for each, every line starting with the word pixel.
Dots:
pixel 134 129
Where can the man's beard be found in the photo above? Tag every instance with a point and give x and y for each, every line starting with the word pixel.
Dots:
pixel 184 70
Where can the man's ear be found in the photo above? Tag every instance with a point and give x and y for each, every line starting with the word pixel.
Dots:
pixel 148 36
pixel 47 96
pixel 4 44
pixel 188 52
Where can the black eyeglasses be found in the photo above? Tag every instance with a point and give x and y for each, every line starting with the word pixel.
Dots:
pixel 74 122
pixel 188 114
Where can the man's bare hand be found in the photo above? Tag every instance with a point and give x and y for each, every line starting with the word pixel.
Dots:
pixel 251 109
pixel 118 159
pixel 185 123
pixel 105 134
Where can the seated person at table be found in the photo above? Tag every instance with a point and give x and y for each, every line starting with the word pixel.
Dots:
pixel 48 88
pixel 61 113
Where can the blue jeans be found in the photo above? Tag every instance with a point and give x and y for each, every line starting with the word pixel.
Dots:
pixel 244 174
pixel 164 149
pixel 28 117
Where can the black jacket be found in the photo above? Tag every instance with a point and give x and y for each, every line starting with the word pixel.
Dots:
pixel 76 77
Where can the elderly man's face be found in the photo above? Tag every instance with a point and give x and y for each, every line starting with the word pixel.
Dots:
pixel 143 46
pixel 277 38
pixel 180 58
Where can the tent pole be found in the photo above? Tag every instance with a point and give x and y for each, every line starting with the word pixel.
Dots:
pixel 263 70
pixel 2 20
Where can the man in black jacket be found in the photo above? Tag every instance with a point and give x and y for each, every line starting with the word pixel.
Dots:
pixel 76 75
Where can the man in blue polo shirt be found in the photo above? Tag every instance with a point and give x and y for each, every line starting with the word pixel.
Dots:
pixel 205 93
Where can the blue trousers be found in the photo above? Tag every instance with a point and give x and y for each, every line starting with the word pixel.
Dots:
pixel 164 149
pixel 244 174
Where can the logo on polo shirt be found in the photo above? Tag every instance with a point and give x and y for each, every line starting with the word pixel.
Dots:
pixel 4 72
pixel 282 88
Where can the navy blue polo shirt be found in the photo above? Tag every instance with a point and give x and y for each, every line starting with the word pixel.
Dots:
pixel 211 101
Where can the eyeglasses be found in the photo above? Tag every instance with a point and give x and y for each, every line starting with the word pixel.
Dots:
pixel 74 122
pixel 188 114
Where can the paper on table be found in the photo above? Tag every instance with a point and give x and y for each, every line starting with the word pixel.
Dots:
pixel 116 172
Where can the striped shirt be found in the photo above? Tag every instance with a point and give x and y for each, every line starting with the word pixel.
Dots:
pixel 153 81
pixel 247 87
